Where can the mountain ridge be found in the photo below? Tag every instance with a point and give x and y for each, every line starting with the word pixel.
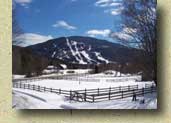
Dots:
pixel 84 50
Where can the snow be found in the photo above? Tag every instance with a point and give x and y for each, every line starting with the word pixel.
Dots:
pixel 47 71
pixel 50 69
pixel 89 48
pixel 70 47
pixel 81 61
pixel 79 85
pixel 87 56
pixel 75 71
pixel 80 54
pixel 127 103
pixel 50 73
pixel 75 53
pixel 99 56
pixel 28 99
pixel 14 76
pixel 54 53
pixel 54 45
pixel 63 66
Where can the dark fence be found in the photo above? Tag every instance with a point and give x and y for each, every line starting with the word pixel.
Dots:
pixel 78 77
pixel 94 95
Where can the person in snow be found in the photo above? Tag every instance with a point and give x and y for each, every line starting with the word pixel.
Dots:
pixel 134 98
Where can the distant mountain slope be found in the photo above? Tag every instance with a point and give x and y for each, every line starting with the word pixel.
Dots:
pixel 26 62
pixel 84 50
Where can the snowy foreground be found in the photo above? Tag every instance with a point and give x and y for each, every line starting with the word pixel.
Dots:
pixel 28 99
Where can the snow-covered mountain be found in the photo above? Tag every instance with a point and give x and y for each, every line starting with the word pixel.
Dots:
pixel 83 50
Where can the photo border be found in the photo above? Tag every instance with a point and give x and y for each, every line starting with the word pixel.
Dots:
pixel 161 115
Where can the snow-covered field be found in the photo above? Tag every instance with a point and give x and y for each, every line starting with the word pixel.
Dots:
pixel 28 99
pixel 54 72
pixel 78 85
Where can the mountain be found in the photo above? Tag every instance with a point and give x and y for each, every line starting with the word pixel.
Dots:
pixel 26 62
pixel 84 50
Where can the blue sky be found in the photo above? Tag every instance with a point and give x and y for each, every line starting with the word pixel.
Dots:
pixel 56 18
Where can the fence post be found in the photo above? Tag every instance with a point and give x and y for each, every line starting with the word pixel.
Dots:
pixel 109 95
pixel 128 87
pixel 119 88
pixel 151 88
pixel 70 95
pixel 109 92
pixel 85 95
pixel 28 86
pixel 38 88
pixel 93 98
pixel 98 91
pixel 143 91
pixel 50 89
pixel 77 97
pixel 122 94
pixel 133 92
pixel 44 89
pixel 33 87
pixel 59 91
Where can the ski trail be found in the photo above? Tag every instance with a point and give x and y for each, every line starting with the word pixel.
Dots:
pixel 72 51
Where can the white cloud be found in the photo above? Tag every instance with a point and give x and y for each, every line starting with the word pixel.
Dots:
pixel 121 35
pixel 94 32
pixel 108 3
pixel 27 39
pixel 64 24
pixel 23 2
pixel 73 0
pixel 116 11
pixel 116 4
pixel 125 34
pixel 114 7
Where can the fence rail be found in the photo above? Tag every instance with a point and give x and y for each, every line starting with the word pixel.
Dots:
pixel 94 95
pixel 33 79
pixel 80 77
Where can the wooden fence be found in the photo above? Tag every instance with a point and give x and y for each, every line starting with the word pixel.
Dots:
pixel 94 95
pixel 79 77
pixel 33 79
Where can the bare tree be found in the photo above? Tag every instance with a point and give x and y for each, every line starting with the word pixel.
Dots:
pixel 16 29
pixel 139 31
